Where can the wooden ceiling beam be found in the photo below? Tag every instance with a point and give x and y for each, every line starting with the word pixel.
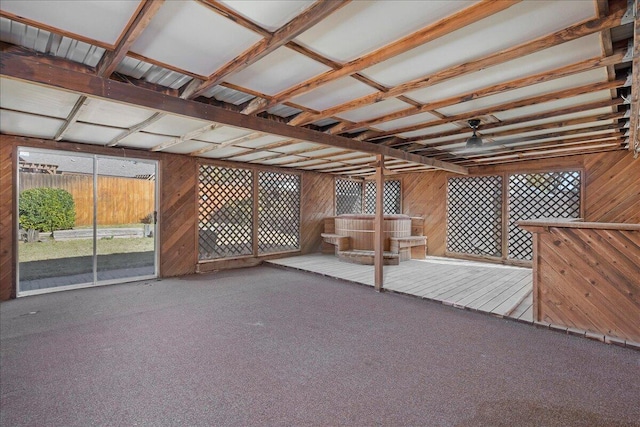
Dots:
pixel 263 148
pixel 27 69
pixel 552 96
pixel 494 151
pixel 229 143
pixel 307 19
pixel 186 137
pixel 110 60
pixel 580 67
pixel 429 33
pixel 133 129
pixel 576 151
pixel 562 133
pixel 568 34
pixel 520 120
pixel 72 117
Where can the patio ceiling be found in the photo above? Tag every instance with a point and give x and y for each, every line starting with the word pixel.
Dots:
pixel 325 85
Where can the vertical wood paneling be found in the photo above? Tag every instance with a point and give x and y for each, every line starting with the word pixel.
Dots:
pixel 316 205
pixel 596 290
pixel 178 215
pixel 425 195
pixel 7 230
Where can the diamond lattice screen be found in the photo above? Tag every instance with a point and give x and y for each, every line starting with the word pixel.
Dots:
pixel 390 199
pixel 474 215
pixel 348 196
pixel 543 195
pixel 226 212
pixel 278 212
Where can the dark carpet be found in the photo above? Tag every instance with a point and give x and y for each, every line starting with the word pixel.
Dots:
pixel 265 346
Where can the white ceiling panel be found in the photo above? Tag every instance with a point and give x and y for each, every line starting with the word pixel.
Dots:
pixel 251 156
pixel 323 166
pixel 262 141
pixel 187 147
pixel 223 133
pixel 271 14
pixel 102 20
pixel 602 95
pixel 589 77
pixel 81 132
pixel 483 38
pixel 281 160
pixel 347 156
pixel 175 125
pixel 565 117
pixel 296 147
pixel 189 36
pixel 361 26
pixel 36 99
pixel 372 111
pixel 143 140
pixel 307 163
pixel 15 123
pixel 335 93
pixel 112 114
pixel 326 151
pixel 278 71
pixel 429 131
pixel 406 121
pixel 584 126
pixel 223 152
pixel 546 60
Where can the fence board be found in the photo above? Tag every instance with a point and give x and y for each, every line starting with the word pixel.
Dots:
pixel 121 200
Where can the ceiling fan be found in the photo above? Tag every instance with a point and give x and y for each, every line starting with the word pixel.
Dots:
pixel 474 140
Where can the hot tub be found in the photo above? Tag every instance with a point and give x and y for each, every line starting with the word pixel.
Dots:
pixel 361 229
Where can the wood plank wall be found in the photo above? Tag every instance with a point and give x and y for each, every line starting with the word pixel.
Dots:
pixel 612 192
pixel 613 188
pixel 7 232
pixel 178 215
pixel 596 290
pixel 316 205
pixel 425 195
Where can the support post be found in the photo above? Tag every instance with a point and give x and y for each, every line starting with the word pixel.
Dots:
pixel 379 221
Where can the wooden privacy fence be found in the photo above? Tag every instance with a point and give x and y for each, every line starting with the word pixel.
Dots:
pixel 120 200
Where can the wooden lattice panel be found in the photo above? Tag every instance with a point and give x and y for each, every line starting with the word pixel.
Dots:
pixel 279 212
pixel 474 215
pixel 348 196
pixel 391 198
pixel 226 212
pixel 540 195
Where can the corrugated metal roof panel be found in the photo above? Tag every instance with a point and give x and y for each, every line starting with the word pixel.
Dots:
pixel 283 110
pixel 52 44
pixel 228 95
pixel 152 73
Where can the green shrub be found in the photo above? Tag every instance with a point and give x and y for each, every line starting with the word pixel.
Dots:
pixel 46 209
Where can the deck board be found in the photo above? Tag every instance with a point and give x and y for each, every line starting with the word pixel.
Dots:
pixel 491 288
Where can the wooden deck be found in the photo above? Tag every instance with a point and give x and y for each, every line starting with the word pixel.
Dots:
pixel 497 289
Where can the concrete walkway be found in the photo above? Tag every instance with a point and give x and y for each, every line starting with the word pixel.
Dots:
pixel 266 346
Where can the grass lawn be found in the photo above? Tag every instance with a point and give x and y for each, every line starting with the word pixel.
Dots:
pixel 51 249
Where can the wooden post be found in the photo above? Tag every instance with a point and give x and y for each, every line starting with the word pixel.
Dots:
pixel 379 221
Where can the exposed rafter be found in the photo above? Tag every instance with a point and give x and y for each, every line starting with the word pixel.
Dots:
pixel 111 60
pixel 310 17
pixel 186 137
pixel 431 32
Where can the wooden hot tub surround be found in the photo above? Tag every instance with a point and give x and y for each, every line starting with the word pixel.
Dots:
pixel 351 238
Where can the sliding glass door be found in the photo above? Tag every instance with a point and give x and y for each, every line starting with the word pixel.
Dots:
pixel 84 220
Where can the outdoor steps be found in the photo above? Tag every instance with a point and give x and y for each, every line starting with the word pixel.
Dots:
pixel 367 257
pixel 410 247
pixel 334 243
